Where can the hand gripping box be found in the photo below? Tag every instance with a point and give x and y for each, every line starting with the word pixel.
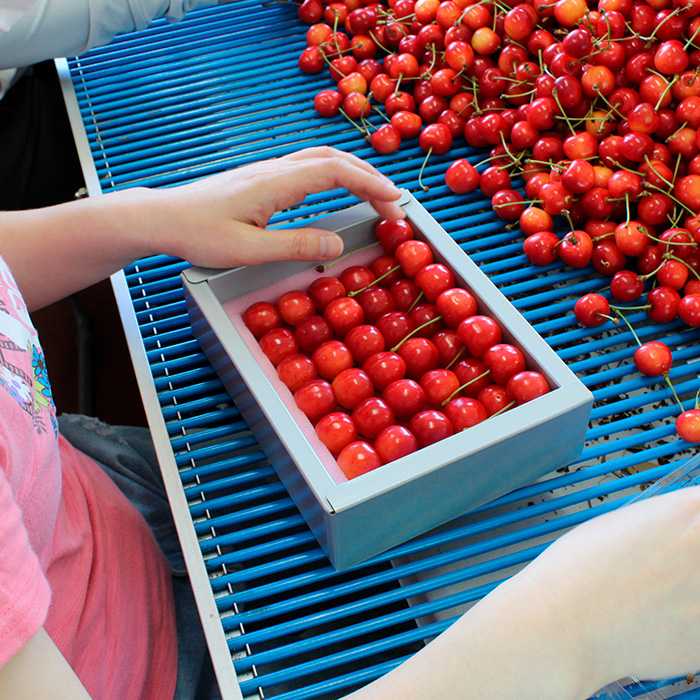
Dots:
pixel 356 519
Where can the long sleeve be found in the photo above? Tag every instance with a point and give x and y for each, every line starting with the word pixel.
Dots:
pixel 58 28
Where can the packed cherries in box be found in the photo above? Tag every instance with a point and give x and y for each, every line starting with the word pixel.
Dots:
pixel 392 390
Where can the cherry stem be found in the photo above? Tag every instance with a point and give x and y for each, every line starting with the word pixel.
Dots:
pixel 464 386
pixel 455 359
pixel 414 331
pixel 375 282
pixel 629 325
pixel 417 301
pixel 325 266
pixel 673 390
pixel 504 409
pixel 425 188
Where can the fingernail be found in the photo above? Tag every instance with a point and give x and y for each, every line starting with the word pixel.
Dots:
pixel 331 246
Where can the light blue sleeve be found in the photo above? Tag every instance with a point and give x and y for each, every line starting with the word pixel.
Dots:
pixel 58 28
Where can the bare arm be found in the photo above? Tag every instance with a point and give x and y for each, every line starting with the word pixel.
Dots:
pixel 38 671
pixel 216 222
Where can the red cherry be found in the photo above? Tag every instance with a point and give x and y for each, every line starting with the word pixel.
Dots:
pixel 653 358
pixel 576 249
pixel 395 442
pixel 358 458
pixel 336 430
pixel 364 341
pixel 439 385
pixel 663 304
pixel 454 305
pixel 689 309
pixel 688 425
pixel 461 177
pixel 375 302
pixel 311 332
pixel 261 317
pixel 420 356
pixel 412 256
pixel 351 387
pixel 592 310
pixel 324 289
pixel 394 327
pixel 296 370
pixel 473 376
pixel 541 248
pixel 430 427
pixel 626 285
pixel 343 314
pixel 405 397
pixel 479 333
pixel 331 358
pixel 277 344
pixel 383 368
pixel 526 386
pixel 315 399
pixel 371 416
pixel 433 279
pixel 465 412
pixel 504 360
pixel 295 306
pixel 494 398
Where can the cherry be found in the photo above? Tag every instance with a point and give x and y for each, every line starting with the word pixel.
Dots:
pixel 336 430
pixel 607 258
pixel 358 458
pixel 391 234
pixel 383 368
pixel 343 314
pixel 663 304
pixel 311 332
pixel 351 387
pixel 295 306
pixel 406 293
pixel 331 358
pixel 592 310
pixel 324 289
pixel 412 256
pixel 688 425
pixel 405 397
pixel 375 302
pixel 295 370
pixel 315 399
pixel 363 341
pixel 371 416
pixel 430 427
pixel 504 360
pixel 653 358
pixel 394 326
pixel 386 139
pixel 434 279
pixel 541 248
pixel 439 385
pixel 526 386
pixel 420 356
pixel 277 344
pixel 479 333
pixel 473 375
pixel 626 285
pixel 261 317
pixel 461 177
pixel 494 398
pixel 576 249
pixel 395 442
pixel 689 309
pixel 464 412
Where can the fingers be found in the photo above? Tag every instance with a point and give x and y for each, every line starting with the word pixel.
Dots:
pixel 253 245
pixel 324 168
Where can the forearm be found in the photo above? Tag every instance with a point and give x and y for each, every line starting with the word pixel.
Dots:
pixel 510 646
pixel 59 250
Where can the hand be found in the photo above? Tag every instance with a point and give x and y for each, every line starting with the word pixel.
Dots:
pixel 626 585
pixel 220 221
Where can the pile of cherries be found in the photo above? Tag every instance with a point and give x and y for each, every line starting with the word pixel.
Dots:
pixel 593 104
pixel 390 357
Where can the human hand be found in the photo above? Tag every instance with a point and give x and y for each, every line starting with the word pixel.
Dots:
pixel 626 589
pixel 220 221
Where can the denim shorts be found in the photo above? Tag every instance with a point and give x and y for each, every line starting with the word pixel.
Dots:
pixel 127 455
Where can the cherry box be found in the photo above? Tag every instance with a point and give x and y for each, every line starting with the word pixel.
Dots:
pixel 355 519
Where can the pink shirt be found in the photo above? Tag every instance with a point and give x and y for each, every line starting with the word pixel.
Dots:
pixel 75 555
